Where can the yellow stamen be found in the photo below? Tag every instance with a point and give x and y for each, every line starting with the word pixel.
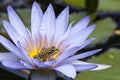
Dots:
pixel 33 53
pixel 44 54
pixel 56 56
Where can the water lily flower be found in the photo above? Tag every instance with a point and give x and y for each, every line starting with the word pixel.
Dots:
pixel 49 46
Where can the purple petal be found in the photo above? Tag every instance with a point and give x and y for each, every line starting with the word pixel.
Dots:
pixel 28 65
pixel 48 23
pixel 16 22
pixel 81 56
pixel 65 55
pixel 7 56
pixel 39 64
pixel 78 62
pixel 66 34
pixel 43 64
pixel 49 63
pixel 61 23
pixel 78 38
pixel 68 70
pixel 72 51
pixel 14 35
pixel 14 65
pixel 24 53
pixel 82 24
pixel 99 66
pixel 82 44
pixel 85 67
pixel 11 47
pixel 36 17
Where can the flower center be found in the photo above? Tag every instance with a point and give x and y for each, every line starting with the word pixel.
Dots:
pixel 46 54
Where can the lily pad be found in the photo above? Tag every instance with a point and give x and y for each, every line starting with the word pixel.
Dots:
pixel 112 58
pixel 104 29
pixel 104 5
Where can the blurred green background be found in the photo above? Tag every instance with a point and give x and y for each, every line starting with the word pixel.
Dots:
pixel 104 13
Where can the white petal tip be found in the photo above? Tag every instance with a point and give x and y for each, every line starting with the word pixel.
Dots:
pixel 101 67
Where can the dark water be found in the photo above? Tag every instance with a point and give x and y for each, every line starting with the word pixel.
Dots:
pixel 5 75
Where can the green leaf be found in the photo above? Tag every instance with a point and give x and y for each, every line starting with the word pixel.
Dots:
pixel 112 58
pixel 104 5
pixel 79 3
pixel 109 5
pixel 104 29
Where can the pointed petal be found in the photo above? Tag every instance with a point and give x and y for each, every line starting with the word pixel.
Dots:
pixel 43 75
pixel 11 47
pixel 101 67
pixel 7 56
pixel 65 55
pixel 16 22
pixel 68 70
pixel 36 17
pixel 85 67
pixel 49 63
pixel 81 56
pixel 48 23
pixel 78 62
pixel 14 65
pixel 39 64
pixel 66 34
pixel 78 38
pixel 24 53
pixel 72 50
pixel 42 64
pixel 62 23
pixel 81 44
pixel 82 24
pixel 14 35
pixel 28 65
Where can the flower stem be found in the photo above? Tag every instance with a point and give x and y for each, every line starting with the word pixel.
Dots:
pixel 42 74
